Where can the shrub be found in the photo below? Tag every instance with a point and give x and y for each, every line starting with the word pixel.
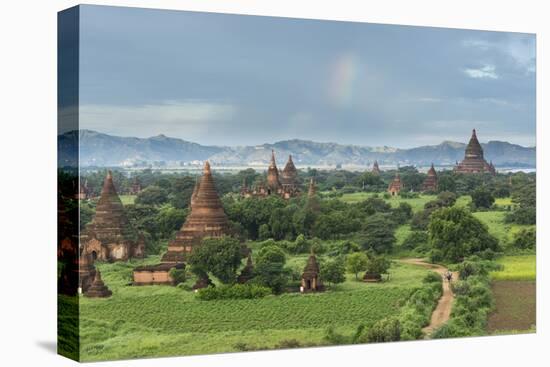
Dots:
pixel 525 239
pixel 415 239
pixel 235 291
pixel 432 277
pixel 178 275
pixel 385 330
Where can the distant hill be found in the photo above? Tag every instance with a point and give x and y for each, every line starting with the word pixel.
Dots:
pixel 97 149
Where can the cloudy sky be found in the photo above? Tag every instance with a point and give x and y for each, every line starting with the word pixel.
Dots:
pixel 245 80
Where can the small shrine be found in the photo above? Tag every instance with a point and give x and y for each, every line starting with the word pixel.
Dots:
pixel 311 281
pixel 98 289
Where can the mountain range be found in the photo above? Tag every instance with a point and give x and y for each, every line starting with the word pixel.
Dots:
pixel 98 149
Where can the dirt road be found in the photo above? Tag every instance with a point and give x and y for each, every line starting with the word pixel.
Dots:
pixel 442 312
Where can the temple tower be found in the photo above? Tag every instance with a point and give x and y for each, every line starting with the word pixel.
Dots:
pixel 396 185
pixel 110 236
pixel 473 161
pixel 248 271
pixel 98 289
pixel 207 219
pixel 375 168
pixel 310 277
pixel 430 183
pixel 289 179
pixel 273 182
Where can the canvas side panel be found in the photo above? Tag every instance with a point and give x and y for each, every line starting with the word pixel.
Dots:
pixel 68 343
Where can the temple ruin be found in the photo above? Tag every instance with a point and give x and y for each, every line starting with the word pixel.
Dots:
pixel 248 271
pixel 430 183
pixel 311 282
pixel 282 183
pixel 110 236
pixel 396 185
pixel 98 289
pixel 375 168
pixel 473 161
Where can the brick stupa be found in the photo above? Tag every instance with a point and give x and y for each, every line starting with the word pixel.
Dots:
pixel 311 281
pixel 289 179
pixel 430 183
pixel 110 236
pixel 98 289
pixel 375 168
pixel 207 219
pixel 473 161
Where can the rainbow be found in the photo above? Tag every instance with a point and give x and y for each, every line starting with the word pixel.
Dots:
pixel 343 81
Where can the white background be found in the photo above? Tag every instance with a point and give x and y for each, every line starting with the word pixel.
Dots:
pixel 28 182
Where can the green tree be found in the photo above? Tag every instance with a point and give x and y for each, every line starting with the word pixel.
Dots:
pixel 455 234
pixel 333 271
pixel 378 234
pixel 152 195
pixel 377 264
pixel 270 268
pixel 356 263
pixel 482 198
pixel 219 256
pixel 402 213
pixel 525 239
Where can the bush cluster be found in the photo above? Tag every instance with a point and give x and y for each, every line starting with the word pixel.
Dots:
pixel 235 291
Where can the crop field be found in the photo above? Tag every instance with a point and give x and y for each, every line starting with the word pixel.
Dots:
pixel 497 227
pixel 515 307
pixel 516 268
pixel 160 320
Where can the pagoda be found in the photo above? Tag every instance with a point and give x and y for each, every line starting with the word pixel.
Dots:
pixel 310 277
pixel 473 161
pixel 136 186
pixel 289 179
pixel 375 168
pixel 207 219
pixel 396 185
pixel 273 183
pixel 282 183
pixel 430 183
pixel 110 236
pixel 312 190
pixel 98 289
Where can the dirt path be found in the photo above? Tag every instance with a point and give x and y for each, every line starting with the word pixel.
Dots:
pixel 442 312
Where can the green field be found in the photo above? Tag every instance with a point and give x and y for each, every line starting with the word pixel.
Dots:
pixel 416 203
pixel 127 199
pixel 516 268
pixel 497 227
pixel 152 321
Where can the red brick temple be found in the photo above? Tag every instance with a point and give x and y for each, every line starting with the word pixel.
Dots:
pixel 473 161
pixel 395 187
pixel 311 282
pixel 207 219
pixel 430 183
pixel 110 236
pixel 283 183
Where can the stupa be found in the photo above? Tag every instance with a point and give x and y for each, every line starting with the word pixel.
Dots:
pixel 289 179
pixel 473 161
pixel 207 219
pixel 248 271
pixel 110 236
pixel 98 289
pixel 430 183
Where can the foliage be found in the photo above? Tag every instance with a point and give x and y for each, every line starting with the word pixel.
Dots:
pixel 522 215
pixel 378 234
pixel 416 239
pixel 233 291
pixel 385 330
pixel 402 213
pixel 377 264
pixel 356 263
pixel 525 239
pixel 178 275
pixel 482 198
pixel 270 268
pixel 219 256
pixel 152 195
pixel 333 271
pixel 455 234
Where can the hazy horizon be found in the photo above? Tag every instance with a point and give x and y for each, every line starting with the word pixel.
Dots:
pixel 219 79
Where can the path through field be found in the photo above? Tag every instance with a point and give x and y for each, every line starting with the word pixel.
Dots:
pixel 442 312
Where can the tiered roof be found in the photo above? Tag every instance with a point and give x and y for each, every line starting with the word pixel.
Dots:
pixel 474 162
pixel 273 182
pixel 430 183
pixel 207 219
pixel 396 185
pixel 98 289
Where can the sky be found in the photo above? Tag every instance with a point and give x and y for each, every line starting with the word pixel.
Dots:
pixel 219 79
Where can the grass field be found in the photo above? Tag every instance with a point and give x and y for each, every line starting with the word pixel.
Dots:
pixel 151 321
pixel 516 268
pixel 515 307
pixel 416 203
pixel 127 199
